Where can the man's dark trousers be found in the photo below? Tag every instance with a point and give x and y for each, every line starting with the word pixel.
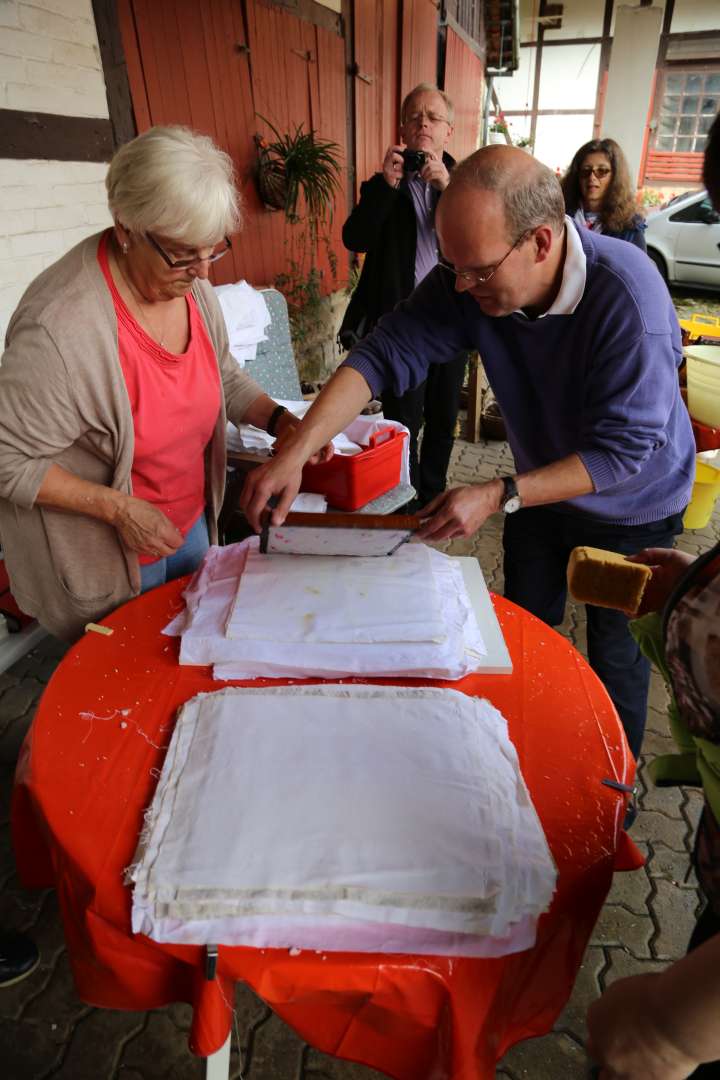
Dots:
pixel 537 543
pixel 437 401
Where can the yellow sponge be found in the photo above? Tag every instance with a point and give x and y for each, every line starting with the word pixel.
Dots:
pixel 606 579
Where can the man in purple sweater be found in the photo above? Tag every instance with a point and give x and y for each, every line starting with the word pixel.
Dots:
pixel 581 346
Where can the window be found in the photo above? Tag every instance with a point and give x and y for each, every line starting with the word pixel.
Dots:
pixel 689 101
pixel 700 212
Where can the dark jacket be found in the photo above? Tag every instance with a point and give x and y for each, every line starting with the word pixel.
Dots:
pixel 634 234
pixel 382 225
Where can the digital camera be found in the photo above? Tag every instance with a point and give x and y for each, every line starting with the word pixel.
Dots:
pixel 413 160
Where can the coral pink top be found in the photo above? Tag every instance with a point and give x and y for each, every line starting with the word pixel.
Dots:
pixel 175 401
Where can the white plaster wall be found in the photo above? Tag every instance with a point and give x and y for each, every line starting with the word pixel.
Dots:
pixel 49 58
pixel 516 91
pixel 49 62
pixel 632 64
pixel 689 15
pixel 569 76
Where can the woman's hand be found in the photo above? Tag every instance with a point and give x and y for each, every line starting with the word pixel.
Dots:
pixel 627 1036
pixel 145 529
pixel 668 565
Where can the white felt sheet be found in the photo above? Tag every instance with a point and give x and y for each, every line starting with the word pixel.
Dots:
pixel 212 591
pixel 332 599
pixel 292 809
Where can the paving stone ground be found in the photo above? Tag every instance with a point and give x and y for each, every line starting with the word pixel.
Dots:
pixel 46 1031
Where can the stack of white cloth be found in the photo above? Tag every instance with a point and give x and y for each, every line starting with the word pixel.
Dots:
pixel 352 440
pixel 275 616
pixel 342 817
pixel 246 318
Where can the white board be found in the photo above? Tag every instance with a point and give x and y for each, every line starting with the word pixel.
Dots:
pixel 497 659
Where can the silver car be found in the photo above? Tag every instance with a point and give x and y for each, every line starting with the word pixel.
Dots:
pixel 683 240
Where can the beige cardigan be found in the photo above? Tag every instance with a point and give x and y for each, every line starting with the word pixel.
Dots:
pixel 63 401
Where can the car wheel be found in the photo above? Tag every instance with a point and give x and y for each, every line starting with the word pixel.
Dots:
pixel 659 262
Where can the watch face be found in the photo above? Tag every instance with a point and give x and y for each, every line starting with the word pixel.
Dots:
pixel 513 503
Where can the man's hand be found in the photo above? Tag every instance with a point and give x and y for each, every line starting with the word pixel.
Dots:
pixel 280 479
pixel 460 512
pixel 434 171
pixel 627 1036
pixel 145 529
pixel 392 168
pixel 668 565
pixel 287 428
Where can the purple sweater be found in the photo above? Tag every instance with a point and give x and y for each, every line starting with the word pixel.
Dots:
pixel 601 382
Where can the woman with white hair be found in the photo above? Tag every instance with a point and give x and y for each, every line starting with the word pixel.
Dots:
pixel 115 390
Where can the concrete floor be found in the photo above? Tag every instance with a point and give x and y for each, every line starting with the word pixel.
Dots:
pixel 46 1031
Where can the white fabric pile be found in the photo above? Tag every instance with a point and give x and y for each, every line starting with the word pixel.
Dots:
pixel 332 817
pixel 404 615
pixel 246 318
pixel 355 438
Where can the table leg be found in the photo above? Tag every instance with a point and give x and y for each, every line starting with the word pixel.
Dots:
pixel 474 405
pixel 217 1065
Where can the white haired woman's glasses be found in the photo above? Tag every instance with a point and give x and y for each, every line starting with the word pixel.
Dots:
pixel 183 264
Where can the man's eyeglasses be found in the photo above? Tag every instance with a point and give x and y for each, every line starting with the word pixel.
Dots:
pixel 601 171
pixel 483 275
pixel 434 118
pixel 183 264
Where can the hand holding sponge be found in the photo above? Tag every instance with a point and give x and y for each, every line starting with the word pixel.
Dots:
pixel 606 579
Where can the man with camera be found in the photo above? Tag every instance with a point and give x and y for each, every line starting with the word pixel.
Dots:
pixel 394 224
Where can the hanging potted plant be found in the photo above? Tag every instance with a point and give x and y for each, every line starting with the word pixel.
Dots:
pixel 499 130
pixel 525 143
pixel 295 165
pixel 299 174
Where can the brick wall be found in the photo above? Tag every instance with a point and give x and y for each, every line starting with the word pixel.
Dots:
pixel 49 62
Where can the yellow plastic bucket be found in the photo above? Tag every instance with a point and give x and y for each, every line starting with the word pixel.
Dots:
pixel 705 491
pixel 701 326
pixel 703 383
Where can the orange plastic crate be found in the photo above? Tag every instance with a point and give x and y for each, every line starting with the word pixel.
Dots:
pixel 349 481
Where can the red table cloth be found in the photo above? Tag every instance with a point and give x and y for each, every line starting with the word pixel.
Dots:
pixel 88 770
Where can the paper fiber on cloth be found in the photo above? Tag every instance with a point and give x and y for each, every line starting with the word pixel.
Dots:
pixel 337 599
pixel 210 596
pixel 302 808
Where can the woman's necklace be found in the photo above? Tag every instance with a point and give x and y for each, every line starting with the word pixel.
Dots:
pixel 157 336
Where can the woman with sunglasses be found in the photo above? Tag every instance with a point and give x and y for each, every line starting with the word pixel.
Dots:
pixel 115 391
pixel 599 195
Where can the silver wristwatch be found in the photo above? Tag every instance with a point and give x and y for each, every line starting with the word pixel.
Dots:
pixel 511 500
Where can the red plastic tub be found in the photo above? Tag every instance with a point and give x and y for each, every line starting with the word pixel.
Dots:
pixel 349 481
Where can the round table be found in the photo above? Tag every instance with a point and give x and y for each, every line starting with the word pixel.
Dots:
pixel 88 770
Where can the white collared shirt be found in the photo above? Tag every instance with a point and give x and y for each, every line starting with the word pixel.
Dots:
pixel 573 278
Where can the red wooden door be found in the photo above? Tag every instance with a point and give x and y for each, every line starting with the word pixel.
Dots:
pixel 419 47
pixel 464 84
pixel 376 26
pixel 193 64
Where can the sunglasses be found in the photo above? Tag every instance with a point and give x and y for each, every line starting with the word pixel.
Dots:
pixel 183 264
pixel 601 171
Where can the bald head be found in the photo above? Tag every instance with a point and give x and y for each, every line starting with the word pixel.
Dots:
pixel 529 192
